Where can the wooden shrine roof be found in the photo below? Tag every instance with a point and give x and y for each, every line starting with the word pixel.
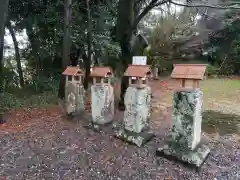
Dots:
pixel 137 71
pixel 189 71
pixel 101 71
pixel 73 71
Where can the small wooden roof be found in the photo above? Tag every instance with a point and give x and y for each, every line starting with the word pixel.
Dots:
pixel 189 71
pixel 137 70
pixel 101 71
pixel 73 71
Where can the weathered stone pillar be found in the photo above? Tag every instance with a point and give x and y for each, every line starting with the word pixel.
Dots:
pixel 74 98
pixel 183 140
pixel 137 108
pixel 102 96
pixel 74 90
pixel 102 103
pixel 136 115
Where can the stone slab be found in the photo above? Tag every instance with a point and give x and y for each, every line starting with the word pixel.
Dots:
pixel 194 158
pixel 138 139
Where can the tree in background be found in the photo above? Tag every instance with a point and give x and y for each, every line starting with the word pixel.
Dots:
pixel 111 38
pixel 130 13
pixel 66 44
pixel 224 46
pixel 169 36
pixel 17 52
pixel 3 17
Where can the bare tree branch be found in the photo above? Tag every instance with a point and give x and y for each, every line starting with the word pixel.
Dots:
pixel 151 5
pixel 204 5
pixel 137 2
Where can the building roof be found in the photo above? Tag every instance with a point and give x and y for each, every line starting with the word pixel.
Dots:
pixel 101 71
pixel 189 71
pixel 73 71
pixel 137 70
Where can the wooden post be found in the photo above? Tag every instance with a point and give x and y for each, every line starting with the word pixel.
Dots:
pixel 139 80
pixel 102 80
pixel 197 83
pixel 183 83
pixel 146 80
pixel 94 80
pixel 130 81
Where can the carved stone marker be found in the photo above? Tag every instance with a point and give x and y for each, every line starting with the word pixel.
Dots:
pixel 183 141
pixel 74 90
pixel 137 102
pixel 102 96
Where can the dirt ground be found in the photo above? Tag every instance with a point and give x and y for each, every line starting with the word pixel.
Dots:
pixel 43 144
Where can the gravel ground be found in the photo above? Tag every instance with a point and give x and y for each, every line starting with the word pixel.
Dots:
pixel 59 149
pixel 52 147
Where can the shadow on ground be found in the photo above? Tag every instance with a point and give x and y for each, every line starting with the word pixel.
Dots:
pixel 217 122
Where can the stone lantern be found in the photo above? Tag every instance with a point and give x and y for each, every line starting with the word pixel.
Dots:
pixel 74 90
pixel 102 96
pixel 183 141
pixel 137 102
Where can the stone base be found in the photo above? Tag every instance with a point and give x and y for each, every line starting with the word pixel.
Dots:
pixel 138 139
pixel 75 114
pixel 194 158
pixel 96 127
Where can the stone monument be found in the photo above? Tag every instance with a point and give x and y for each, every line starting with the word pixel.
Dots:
pixel 74 90
pixel 102 96
pixel 137 102
pixel 183 141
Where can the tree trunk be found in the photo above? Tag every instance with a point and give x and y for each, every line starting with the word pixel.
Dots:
pixel 3 16
pixel 17 53
pixel 126 57
pixel 124 33
pixel 87 61
pixel 35 45
pixel 136 48
pixel 128 18
pixel 67 34
pixel 66 45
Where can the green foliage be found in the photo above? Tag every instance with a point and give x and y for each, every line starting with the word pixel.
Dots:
pixel 111 56
pixel 167 38
pixel 44 82
pixel 12 101
pixel 163 63
pixel 39 90
pixel 212 70
pixel 234 55
pixel 10 78
pixel 226 45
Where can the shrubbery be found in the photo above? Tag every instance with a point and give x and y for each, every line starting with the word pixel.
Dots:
pixel 38 92
pixel 11 101
pixel 212 71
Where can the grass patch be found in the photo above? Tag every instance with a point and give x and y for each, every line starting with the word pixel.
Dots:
pixel 221 90
pixel 222 123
